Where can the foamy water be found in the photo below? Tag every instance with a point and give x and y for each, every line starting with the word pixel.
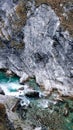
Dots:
pixel 11 88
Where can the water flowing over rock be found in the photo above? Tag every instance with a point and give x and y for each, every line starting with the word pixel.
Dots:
pixel 32 42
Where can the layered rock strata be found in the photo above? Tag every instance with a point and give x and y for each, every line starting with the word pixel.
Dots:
pixel 33 43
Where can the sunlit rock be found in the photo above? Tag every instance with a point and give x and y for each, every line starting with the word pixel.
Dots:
pixel 9 73
pixel 33 42
pixel 38 128
pixel 24 78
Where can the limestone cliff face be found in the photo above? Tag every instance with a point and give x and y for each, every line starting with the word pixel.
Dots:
pixel 33 42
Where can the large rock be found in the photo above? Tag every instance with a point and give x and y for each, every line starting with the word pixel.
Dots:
pixel 1 91
pixel 24 78
pixel 9 119
pixel 40 48
pixel 5 123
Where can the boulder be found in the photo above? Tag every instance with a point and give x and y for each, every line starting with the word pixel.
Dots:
pixel 24 78
pixel 1 91
pixel 2 110
pixel 9 73
pixel 9 118
pixel 5 123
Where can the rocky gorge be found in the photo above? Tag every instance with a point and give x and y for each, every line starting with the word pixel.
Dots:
pixel 36 48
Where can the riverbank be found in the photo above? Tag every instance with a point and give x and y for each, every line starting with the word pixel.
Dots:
pixel 31 112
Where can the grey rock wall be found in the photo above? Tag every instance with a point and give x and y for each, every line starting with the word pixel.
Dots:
pixel 37 46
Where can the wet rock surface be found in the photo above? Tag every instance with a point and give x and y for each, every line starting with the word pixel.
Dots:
pixel 46 112
pixel 53 117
